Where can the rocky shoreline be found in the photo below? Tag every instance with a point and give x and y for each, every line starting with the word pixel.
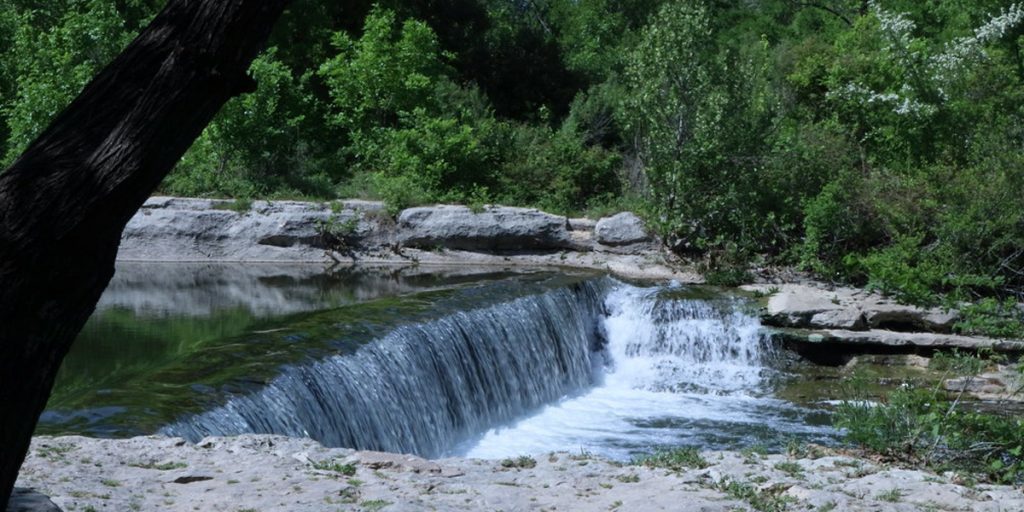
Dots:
pixel 257 472
pixel 355 232
pixel 263 473
pixel 810 316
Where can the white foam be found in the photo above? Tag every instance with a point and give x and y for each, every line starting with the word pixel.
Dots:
pixel 677 372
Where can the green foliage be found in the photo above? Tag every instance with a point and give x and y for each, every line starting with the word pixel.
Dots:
pixel 875 144
pixel 957 362
pixel 926 427
pixel 391 70
pixel 696 109
pixel 256 146
pixel 992 317
pixel 675 459
pixel 337 233
pixel 335 466
pixel 521 462
pixel 427 158
pixel 790 468
pixel 241 205
pixel 556 170
pixel 52 56
pixel 768 500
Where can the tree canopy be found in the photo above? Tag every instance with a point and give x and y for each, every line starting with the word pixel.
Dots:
pixel 872 142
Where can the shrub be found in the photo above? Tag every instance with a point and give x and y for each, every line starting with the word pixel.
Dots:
pixel 992 317
pixel 925 427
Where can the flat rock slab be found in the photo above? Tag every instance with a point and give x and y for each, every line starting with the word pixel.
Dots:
pixel 495 228
pixel 261 472
pixel 180 229
pixel 880 337
pixel 174 229
pixel 815 306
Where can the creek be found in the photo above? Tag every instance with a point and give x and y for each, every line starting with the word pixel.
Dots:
pixel 467 362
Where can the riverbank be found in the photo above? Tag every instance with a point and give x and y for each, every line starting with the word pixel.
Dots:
pixel 264 473
pixel 169 229
pixel 824 323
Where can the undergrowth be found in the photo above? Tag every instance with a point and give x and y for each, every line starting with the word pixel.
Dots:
pixel 930 427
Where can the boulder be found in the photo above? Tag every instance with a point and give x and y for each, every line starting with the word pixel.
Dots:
pixel 495 229
pixel 621 229
pixel 816 307
pixel 885 315
pixel 796 305
pixel 178 229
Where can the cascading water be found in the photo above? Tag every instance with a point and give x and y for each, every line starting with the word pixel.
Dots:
pixel 425 388
pixel 660 343
pixel 601 365
pixel 677 372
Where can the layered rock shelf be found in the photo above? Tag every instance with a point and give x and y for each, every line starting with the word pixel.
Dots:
pixel 259 472
pixel 169 229
pixel 827 324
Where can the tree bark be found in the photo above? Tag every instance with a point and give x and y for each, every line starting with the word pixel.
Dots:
pixel 66 200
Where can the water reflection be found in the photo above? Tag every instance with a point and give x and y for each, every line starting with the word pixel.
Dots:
pixel 155 316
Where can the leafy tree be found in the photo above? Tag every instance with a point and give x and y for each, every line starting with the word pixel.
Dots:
pixel 696 111
pixel 55 53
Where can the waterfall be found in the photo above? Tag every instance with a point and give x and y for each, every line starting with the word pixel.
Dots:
pixel 676 371
pixel 660 343
pixel 599 364
pixel 425 388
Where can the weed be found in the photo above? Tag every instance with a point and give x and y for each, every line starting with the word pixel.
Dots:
pixel 675 459
pixel 762 501
pixel 955 361
pixel 335 466
pixel 522 462
pixel 375 504
pixel 992 317
pixel 631 478
pixel 792 469
pixel 54 451
pixel 751 454
pixel 892 496
pixel 336 233
pixel 925 427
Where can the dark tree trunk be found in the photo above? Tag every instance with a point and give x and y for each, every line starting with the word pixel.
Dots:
pixel 65 201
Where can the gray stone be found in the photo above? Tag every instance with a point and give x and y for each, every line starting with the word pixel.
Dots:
pixel 818 307
pixel 179 229
pixel 901 339
pixel 621 229
pixel 882 315
pixel 582 224
pixel 276 473
pixel 495 229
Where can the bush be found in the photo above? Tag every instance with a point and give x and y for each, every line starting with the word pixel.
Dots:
pixel 924 427
pixel 992 317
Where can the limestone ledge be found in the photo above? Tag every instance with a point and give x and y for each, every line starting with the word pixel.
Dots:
pixel 262 472
pixel 172 229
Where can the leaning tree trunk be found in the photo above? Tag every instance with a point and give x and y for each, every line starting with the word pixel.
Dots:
pixel 65 201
